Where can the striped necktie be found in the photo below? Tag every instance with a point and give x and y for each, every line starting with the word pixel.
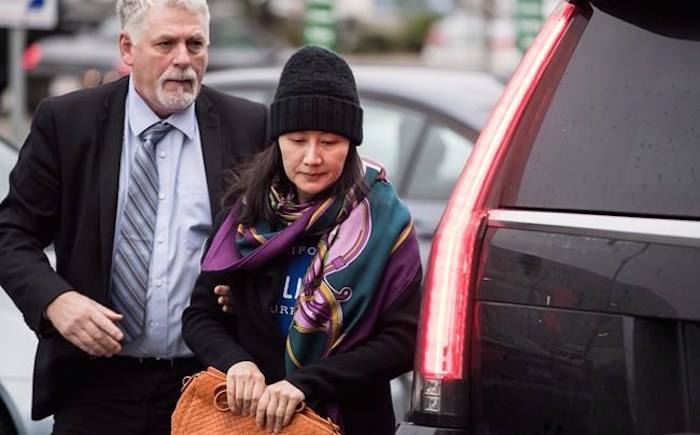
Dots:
pixel 132 259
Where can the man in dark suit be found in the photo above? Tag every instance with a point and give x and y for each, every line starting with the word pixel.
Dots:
pixel 111 356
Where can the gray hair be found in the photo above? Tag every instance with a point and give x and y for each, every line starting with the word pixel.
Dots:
pixel 132 13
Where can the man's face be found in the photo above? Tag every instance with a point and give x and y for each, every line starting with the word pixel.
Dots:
pixel 167 58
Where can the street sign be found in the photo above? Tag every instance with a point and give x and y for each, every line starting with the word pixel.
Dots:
pixel 528 17
pixel 320 23
pixel 29 14
pixel 19 16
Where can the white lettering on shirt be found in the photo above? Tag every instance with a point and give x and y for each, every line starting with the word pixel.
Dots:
pixel 285 292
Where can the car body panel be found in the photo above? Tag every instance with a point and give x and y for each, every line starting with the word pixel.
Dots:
pixel 571 321
pixel 592 371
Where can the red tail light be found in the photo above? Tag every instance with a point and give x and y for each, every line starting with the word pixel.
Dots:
pixel 31 57
pixel 447 305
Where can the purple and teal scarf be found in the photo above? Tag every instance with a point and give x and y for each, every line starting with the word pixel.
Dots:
pixel 366 257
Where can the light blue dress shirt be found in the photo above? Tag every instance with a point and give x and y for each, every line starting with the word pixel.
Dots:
pixel 183 223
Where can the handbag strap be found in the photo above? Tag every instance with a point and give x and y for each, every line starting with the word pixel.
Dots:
pixel 220 400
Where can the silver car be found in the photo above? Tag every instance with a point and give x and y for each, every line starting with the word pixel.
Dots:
pixel 18 344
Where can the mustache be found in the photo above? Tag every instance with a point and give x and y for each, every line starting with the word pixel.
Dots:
pixel 180 75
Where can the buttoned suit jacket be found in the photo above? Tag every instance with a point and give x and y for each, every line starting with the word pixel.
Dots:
pixel 63 190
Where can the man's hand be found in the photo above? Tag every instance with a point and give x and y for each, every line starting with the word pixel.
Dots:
pixel 245 384
pixel 277 406
pixel 224 298
pixel 85 323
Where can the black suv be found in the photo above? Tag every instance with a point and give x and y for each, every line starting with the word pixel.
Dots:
pixel 562 294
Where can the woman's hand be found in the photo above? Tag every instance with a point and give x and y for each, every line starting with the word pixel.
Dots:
pixel 245 384
pixel 277 405
pixel 224 298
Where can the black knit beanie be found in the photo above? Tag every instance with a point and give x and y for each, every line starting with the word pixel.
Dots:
pixel 316 91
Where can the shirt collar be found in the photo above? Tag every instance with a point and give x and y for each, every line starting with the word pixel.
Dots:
pixel 141 116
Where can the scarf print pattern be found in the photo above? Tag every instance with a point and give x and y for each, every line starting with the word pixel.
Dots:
pixel 366 257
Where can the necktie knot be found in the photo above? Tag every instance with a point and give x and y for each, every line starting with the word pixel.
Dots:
pixel 156 132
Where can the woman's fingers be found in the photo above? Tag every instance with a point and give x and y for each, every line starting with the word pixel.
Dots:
pixel 273 406
pixel 258 390
pixel 240 386
pixel 285 411
pixel 260 413
pixel 288 414
pixel 231 393
pixel 252 390
pixel 277 406
pixel 244 385
pixel 271 413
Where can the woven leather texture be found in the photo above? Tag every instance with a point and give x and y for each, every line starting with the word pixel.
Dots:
pixel 202 410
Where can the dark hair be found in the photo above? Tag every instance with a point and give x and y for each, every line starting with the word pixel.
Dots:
pixel 252 181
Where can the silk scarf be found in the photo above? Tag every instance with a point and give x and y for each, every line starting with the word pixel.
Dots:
pixel 366 256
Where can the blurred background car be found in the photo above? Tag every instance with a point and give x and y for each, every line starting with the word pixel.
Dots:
pixel 417 123
pixel 18 343
pixel 58 64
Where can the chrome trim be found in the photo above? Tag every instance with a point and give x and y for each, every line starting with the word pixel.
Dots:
pixel 650 230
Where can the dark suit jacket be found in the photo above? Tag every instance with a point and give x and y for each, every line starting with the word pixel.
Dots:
pixel 64 190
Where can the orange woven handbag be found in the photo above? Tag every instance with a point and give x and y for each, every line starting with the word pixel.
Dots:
pixel 202 410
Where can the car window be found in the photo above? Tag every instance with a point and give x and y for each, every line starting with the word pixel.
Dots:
pixel 8 157
pixel 390 134
pixel 440 161
pixel 621 134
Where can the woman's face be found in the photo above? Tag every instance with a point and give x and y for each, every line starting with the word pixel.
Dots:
pixel 313 160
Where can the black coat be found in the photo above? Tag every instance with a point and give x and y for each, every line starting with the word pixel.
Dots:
pixel 64 190
pixel 357 379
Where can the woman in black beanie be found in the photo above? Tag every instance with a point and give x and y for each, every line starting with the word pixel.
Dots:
pixel 322 262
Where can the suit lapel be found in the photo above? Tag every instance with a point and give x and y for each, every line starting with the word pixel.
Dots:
pixel 110 132
pixel 212 149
